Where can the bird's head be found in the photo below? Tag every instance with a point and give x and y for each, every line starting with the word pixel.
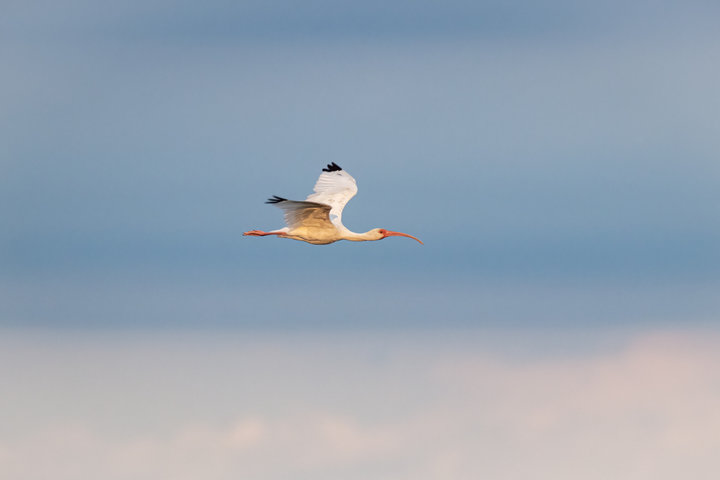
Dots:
pixel 381 233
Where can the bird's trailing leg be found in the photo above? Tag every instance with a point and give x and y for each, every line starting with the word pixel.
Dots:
pixel 260 233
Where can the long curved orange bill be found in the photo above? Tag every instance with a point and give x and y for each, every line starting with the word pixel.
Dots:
pixel 388 233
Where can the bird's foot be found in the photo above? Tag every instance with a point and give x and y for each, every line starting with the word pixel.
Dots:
pixel 260 233
pixel 255 233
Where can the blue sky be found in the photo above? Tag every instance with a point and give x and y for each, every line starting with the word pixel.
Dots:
pixel 542 143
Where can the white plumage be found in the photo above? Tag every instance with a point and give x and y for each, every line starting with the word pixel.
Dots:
pixel 334 188
pixel 318 219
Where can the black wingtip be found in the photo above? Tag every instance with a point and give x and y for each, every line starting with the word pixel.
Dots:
pixel 276 199
pixel 333 167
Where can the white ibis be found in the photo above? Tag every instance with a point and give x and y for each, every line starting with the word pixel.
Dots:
pixel 318 219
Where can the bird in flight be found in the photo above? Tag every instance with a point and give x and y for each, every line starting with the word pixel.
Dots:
pixel 318 219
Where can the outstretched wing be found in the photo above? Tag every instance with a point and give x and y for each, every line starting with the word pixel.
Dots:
pixel 335 187
pixel 303 214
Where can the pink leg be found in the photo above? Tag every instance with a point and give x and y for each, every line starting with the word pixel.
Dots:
pixel 260 233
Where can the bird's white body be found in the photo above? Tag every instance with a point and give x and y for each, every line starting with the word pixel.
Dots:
pixel 318 219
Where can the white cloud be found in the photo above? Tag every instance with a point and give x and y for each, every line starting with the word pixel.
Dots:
pixel 378 406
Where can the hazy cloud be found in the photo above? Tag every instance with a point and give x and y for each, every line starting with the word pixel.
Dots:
pixel 423 407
